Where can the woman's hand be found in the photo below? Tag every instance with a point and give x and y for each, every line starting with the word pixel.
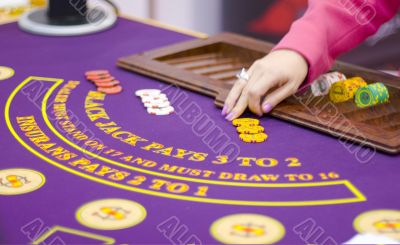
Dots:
pixel 281 70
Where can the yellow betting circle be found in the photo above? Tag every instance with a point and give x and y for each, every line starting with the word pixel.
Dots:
pixel 219 230
pixel 6 72
pixel 363 223
pixel 96 224
pixel 31 171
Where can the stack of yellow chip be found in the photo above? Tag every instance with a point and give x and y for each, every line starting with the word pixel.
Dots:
pixel 345 90
pixel 249 130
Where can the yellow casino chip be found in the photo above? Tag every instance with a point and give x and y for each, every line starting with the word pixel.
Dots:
pixel 358 80
pixel 345 90
pixel 250 129
pixel 253 138
pixel 245 122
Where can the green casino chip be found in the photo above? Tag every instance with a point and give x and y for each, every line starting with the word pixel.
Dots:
pixel 371 95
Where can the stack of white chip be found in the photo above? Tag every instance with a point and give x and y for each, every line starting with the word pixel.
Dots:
pixel 156 102
pixel 323 83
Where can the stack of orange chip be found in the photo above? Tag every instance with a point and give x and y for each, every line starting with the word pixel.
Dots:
pixel 104 82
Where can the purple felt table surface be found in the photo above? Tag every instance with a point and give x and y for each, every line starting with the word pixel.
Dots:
pixel 356 184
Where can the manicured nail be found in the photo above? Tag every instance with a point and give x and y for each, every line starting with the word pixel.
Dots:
pixel 267 108
pixel 223 113
pixel 229 117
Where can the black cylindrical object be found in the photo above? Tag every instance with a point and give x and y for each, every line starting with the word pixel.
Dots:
pixel 67 12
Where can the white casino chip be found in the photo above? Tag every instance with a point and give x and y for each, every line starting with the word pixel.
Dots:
pixel 147 92
pixel 150 99
pixel 157 104
pixel 161 111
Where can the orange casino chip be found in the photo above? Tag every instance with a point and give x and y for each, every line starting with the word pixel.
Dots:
pixel 104 80
pixel 113 90
pixel 98 77
pixel 97 73
pixel 107 85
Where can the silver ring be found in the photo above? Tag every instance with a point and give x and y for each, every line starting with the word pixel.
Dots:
pixel 243 75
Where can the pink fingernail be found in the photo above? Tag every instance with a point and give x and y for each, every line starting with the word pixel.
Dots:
pixel 267 108
pixel 223 113
pixel 229 117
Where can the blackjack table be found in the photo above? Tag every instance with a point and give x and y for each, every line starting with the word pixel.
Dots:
pixel 79 166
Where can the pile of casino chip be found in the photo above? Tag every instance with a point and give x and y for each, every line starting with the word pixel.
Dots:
pixel 155 102
pixel 342 89
pixel 104 82
pixel 249 130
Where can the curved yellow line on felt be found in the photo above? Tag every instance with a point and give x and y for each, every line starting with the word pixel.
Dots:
pixel 123 165
pixel 154 193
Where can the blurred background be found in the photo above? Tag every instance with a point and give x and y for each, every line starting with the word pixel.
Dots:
pixel 264 19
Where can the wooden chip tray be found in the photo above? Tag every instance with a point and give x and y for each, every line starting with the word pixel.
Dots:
pixel 209 66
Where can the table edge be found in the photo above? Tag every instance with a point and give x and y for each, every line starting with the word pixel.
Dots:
pixel 147 21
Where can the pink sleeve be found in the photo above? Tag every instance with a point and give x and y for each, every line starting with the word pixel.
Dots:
pixel 332 27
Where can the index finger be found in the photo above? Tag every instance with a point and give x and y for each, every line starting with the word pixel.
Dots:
pixel 233 96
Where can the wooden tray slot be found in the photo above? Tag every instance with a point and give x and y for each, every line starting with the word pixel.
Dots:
pixel 228 75
pixel 205 63
pixel 175 61
pixel 218 69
